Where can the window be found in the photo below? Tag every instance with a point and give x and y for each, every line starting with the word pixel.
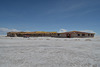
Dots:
pixel 83 34
pixel 78 34
pixel 58 34
pixel 91 34
pixel 88 34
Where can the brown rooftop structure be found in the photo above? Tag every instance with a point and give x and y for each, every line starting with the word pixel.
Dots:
pixel 71 34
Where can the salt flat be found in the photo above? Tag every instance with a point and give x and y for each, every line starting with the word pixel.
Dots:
pixel 49 52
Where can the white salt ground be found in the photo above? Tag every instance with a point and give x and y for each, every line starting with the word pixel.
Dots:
pixel 49 52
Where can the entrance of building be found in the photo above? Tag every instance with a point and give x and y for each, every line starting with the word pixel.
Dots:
pixel 68 35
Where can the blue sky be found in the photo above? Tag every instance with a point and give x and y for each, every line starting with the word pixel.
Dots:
pixel 49 15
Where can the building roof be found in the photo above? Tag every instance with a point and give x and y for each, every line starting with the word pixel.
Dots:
pixel 79 32
pixel 36 32
pixel 42 32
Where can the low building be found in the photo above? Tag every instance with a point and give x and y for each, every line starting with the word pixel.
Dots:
pixel 71 34
pixel 30 34
pixel 76 34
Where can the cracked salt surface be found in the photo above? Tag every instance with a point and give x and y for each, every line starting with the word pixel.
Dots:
pixel 49 52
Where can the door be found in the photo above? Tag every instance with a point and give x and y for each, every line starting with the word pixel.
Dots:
pixel 68 35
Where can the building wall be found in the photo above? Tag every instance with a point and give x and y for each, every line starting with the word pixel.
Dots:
pixel 75 35
pixel 80 35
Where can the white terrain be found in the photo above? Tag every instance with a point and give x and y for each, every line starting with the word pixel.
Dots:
pixel 49 52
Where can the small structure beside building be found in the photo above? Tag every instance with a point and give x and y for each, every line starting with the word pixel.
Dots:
pixel 71 34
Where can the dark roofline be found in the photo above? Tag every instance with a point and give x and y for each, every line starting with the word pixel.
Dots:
pixel 78 32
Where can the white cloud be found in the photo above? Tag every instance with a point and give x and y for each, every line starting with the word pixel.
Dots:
pixel 27 31
pixel 62 30
pixel 5 30
pixel 89 31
